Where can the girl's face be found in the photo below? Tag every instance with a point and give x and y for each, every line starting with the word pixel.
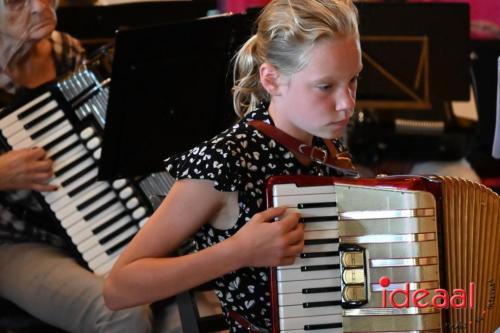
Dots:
pixel 27 20
pixel 319 99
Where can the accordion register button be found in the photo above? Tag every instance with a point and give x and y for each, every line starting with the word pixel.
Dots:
pixel 353 276
pixel 87 133
pixel 93 143
pixel 119 183
pixel 97 154
pixel 125 193
pixel 354 293
pixel 352 259
pixel 139 213
pixel 132 203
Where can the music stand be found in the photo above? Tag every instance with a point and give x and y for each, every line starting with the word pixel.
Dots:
pixel 169 91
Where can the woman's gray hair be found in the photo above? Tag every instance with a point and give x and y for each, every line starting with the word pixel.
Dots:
pixel 286 31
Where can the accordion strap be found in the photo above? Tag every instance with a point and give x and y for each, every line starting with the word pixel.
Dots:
pixel 245 323
pixel 306 154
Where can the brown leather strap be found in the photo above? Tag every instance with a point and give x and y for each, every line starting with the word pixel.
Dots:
pixel 307 154
pixel 245 323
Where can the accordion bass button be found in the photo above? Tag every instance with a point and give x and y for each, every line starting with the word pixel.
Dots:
pixel 87 133
pixel 93 143
pixel 97 154
pixel 119 183
pixel 132 203
pixel 126 192
pixel 143 222
pixel 139 213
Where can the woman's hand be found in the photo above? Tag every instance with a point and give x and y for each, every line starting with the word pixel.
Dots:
pixel 28 169
pixel 262 242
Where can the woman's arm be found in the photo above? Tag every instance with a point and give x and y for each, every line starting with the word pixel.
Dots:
pixel 146 272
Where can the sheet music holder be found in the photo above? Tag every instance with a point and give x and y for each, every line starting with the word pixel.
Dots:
pixel 416 62
pixel 103 21
pixel 413 52
pixel 169 92
pixel 97 25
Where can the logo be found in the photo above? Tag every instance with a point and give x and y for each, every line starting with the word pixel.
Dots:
pixel 441 299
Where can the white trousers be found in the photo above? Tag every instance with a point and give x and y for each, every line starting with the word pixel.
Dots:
pixel 53 287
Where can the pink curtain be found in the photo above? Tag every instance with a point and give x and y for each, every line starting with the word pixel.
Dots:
pixel 238 6
pixel 485 16
pixel 484 10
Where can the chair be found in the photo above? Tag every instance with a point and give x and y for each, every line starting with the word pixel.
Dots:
pixel 189 312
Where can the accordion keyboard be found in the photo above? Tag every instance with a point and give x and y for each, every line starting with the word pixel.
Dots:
pixel 355 235
pixel 309 290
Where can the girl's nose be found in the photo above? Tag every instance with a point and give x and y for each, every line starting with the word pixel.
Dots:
pixel 345 100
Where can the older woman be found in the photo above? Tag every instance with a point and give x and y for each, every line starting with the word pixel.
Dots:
pixel 36 272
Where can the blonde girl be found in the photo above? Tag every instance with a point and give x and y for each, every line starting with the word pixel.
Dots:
pixel 298 73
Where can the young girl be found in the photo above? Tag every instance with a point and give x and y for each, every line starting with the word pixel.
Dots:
pixel 299 74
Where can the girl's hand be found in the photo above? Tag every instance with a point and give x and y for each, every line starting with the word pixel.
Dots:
pixel 262 242
pixel 26 169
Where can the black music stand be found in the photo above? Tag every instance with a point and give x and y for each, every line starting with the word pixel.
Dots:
pixel 97 25
pixel 416 61
pixel 169 91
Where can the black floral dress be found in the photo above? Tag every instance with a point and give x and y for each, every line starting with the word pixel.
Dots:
pixel 241 159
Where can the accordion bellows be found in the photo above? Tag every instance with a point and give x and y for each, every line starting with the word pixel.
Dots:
pixel 395 254
pixel 472 251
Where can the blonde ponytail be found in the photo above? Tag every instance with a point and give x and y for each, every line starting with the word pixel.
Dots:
pixel 247 90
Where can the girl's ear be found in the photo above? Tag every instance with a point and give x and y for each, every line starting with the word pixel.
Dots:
pixel 269 76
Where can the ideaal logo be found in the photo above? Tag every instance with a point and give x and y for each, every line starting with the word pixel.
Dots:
pixel 460 298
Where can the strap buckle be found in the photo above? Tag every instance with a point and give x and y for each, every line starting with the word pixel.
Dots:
pixel 316 154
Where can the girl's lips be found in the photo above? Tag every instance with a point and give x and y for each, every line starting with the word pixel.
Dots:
pixel 337 123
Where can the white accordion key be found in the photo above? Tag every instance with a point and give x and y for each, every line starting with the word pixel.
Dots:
pixel 14 116
pixel 113 247
pixel 61 145
pixel 12 129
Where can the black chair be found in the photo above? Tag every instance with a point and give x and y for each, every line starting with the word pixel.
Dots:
pixel 189 313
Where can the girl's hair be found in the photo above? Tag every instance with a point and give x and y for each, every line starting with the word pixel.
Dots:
pixel 286 31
